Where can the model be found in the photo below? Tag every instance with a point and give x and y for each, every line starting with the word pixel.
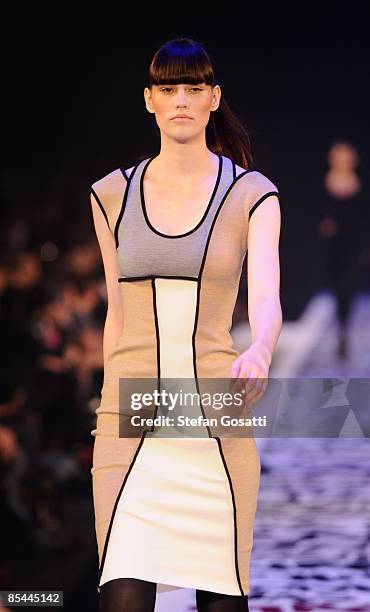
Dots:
pixel 177 510
pixel 344 203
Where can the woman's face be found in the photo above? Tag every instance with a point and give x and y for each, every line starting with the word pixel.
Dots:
pixel 343 155
pixel 195 101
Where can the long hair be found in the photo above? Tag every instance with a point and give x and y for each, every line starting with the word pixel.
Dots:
pixel 183 60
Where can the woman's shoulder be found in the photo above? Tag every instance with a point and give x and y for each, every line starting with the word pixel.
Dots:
pixel 256 183
pixel 109 180
pixel 108 191
pixel 117 176
pixel 253 178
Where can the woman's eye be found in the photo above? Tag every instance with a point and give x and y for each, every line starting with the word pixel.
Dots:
pixel 165 89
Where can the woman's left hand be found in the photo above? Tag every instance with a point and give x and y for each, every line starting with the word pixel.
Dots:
pixel 253 365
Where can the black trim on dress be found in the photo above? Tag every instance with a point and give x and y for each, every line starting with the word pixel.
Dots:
pixel 100 205
pixel 123 205
pixel 205 214
pixel 262 198
pixel 234 508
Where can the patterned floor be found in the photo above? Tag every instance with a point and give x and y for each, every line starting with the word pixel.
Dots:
pixel 312 531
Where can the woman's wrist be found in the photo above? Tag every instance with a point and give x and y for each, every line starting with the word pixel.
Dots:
pixel 260 345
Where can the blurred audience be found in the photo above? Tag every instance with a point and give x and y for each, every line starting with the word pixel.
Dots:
pixel 52 310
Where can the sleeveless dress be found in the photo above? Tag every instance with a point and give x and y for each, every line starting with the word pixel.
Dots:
pixel 175 511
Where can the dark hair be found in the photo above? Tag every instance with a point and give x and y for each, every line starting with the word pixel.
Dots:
pixel 183 60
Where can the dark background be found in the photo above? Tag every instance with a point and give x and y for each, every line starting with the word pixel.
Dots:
pixel 73 110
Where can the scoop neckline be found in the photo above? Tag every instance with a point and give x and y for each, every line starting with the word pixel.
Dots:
pixel 205 214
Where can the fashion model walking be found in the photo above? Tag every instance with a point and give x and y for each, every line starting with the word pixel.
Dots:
pixel 174 230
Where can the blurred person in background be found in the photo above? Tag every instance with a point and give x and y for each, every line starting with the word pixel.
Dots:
pixel 344 228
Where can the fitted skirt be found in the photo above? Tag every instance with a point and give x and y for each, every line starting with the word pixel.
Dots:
pixel 175 511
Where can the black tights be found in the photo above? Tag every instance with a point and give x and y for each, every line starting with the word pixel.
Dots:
pixel 219 602
pixel 134 595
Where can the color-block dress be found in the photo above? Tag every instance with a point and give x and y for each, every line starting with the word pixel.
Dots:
pixel 176 511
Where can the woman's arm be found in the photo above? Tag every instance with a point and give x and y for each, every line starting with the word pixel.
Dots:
pixel 114 318
pixel 264 308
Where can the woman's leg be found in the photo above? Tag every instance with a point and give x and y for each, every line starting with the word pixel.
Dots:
pixel 340 282
pixel 207 601
pixel 127 595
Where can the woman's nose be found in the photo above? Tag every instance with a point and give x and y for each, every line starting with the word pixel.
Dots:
pixel 181 98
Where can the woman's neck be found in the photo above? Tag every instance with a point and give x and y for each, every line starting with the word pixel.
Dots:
pixel 183 161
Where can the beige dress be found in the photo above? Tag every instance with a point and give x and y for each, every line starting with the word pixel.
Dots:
pixel 177 511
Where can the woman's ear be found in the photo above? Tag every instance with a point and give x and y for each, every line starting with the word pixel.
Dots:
pixel 216 97
pixel 148 100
